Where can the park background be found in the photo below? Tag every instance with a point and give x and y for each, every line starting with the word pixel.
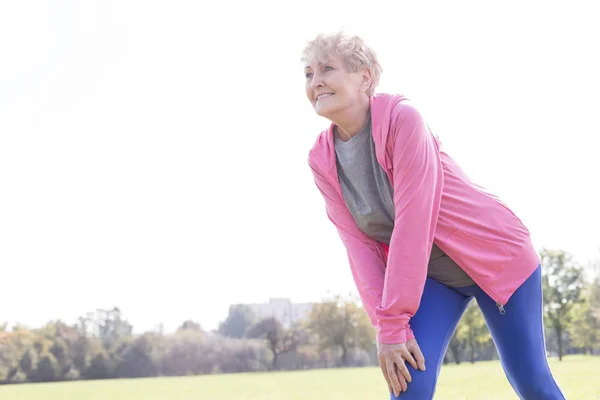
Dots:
pixel 156 203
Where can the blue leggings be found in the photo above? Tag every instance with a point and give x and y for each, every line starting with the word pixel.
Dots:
pixel 518 335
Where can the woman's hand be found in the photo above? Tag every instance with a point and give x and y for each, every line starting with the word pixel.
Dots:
pixel 392 358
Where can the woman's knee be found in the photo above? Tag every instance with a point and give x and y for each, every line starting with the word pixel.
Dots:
pixel 539 387
pixel 422 386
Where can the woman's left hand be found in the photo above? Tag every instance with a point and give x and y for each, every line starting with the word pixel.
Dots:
pixel 392 358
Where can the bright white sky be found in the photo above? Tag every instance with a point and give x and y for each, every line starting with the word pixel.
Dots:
pixel 153 154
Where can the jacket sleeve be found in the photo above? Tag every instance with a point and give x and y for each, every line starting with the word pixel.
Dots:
pixel 366 257
pixel 417 184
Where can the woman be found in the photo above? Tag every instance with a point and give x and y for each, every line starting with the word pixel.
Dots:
pixel 422 239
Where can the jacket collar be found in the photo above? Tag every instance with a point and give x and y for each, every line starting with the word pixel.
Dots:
pixel 322 155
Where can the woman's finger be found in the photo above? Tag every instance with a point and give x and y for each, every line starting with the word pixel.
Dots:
pixel 402 380
pixel 387 379
pixel 408 357
pixel 403 370
pixel 393 378
pixel 419 358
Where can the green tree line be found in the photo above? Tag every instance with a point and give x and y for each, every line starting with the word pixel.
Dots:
pixel 337 333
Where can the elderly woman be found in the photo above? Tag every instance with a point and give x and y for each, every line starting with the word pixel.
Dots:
pixel 422 239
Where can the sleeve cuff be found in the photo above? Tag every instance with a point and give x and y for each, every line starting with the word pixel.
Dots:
pixel 394 335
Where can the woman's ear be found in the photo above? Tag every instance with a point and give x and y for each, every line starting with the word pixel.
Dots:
pixel 366 80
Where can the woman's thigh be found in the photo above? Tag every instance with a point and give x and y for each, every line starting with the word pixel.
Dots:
pixel 433 325
pixel 519 338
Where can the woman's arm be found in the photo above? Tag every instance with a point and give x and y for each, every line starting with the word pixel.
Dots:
pixel 367 263
pixel 417 184
pixel 367 260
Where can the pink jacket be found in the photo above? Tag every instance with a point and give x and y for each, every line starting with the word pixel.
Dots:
pixel 434 202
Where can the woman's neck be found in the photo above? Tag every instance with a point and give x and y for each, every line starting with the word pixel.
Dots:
pixel 352 120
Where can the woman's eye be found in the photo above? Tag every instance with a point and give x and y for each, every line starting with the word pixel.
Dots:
pixel 328 68
pixel 309 75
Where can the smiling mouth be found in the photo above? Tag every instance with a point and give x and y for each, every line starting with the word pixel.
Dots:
pixel 324 95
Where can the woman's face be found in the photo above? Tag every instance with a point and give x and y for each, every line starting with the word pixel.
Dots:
pixel 331 88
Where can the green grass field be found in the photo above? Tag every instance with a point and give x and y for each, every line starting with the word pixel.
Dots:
pixel 578 377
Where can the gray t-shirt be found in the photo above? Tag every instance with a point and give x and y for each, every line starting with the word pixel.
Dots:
pixel 369 197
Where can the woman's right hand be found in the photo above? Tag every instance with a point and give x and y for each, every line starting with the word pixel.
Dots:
pixel 392 358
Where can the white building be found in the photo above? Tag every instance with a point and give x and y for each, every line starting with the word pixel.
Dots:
pixel 282 310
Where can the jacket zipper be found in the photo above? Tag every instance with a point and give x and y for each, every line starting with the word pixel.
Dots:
pixel 500 308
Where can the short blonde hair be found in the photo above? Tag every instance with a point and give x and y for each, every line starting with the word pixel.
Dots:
pixel 351 49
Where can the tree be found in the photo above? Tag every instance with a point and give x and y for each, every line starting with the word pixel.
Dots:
pixel 472 330
pixel 186 354
pixel 140 357
pixel 190 325
pixel 9 361
pixel 61 352
pixel 48 369
pixel 100 367
pixel 457 346
pixel 341 324
pixel 279 340
pixel 82 353
pixel 108 325
pixel 562 281
pixel 227 355
pixel 240 318
pixel 86 345
pixel 594 290
pixel 28 361
pixel 585 331
pixel 18 354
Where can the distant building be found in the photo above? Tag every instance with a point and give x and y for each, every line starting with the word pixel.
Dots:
pixel 282 310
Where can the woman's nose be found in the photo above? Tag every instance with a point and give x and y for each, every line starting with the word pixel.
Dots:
pixel 316 81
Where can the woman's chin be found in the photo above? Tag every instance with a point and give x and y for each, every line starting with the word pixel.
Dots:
pixel 324 112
